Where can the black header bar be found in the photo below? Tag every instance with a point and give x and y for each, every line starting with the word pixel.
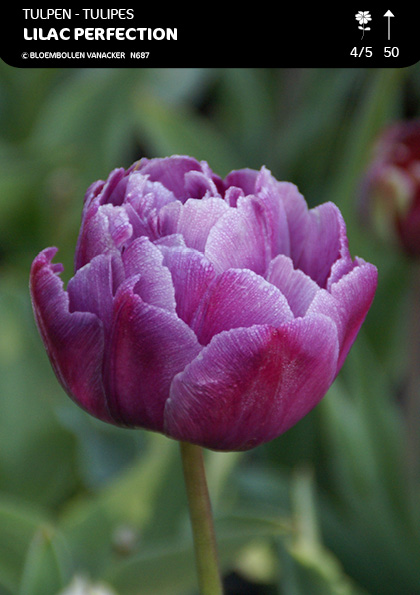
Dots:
pixel 211 36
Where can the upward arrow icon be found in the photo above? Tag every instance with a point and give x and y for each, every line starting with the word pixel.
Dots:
pixel 389 14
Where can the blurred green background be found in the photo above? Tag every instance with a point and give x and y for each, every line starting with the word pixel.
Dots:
pixel 332 506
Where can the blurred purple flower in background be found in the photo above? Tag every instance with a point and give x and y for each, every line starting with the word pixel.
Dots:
pixel 217 312
pixel 390 196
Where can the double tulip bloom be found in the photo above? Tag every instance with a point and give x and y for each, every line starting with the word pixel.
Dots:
pixel 390 196
pixel 216 311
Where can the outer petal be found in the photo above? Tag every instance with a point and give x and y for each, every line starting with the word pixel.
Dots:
pixel 348 303
pixel 149 345
pixel 74 341
pixel 250 385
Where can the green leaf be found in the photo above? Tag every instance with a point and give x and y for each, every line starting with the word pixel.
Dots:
pixel 47 566
pixel 86 119
pixel 178 86
pixel 376 107
pixel 168 567
pixel 36 453
pixel 180 130
pixel 245 111
pixel 128 503
pixel 367 509
pixel 307 565
pixel 18 523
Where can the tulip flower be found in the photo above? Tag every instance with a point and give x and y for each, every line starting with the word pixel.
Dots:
pixel 390 195
pixel 215 311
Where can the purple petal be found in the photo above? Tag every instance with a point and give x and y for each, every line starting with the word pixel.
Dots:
pixel 348 303
pixel 100 192
pixel 239 239
pixel 239 298
pixel 232 195
pixel 168 218
pixel 142 258
pixel 245 179
pixel 200 185
pixel 105 228
pixel 114 188
pixel 296 211
pixel 324 244
pixel 74 340
pixel 140 227
pixel 172 241
pixel 268 195
pixel 298 288
pixel 145 195
pixel 170 172
pixel 248 386
pixel 193 219
pixel 192 274
pixel 149 346
pixel 320 248
pixel 93 286
pixel 91 195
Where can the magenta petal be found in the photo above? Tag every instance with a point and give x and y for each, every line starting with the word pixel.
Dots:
pixel 74 341
pixel 149 346
pixel 348 303
pixel 248 386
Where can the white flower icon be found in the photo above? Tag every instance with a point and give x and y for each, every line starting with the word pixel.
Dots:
pixel 363 17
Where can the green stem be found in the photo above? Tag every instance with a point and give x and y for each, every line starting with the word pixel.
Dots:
pixel 201 520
